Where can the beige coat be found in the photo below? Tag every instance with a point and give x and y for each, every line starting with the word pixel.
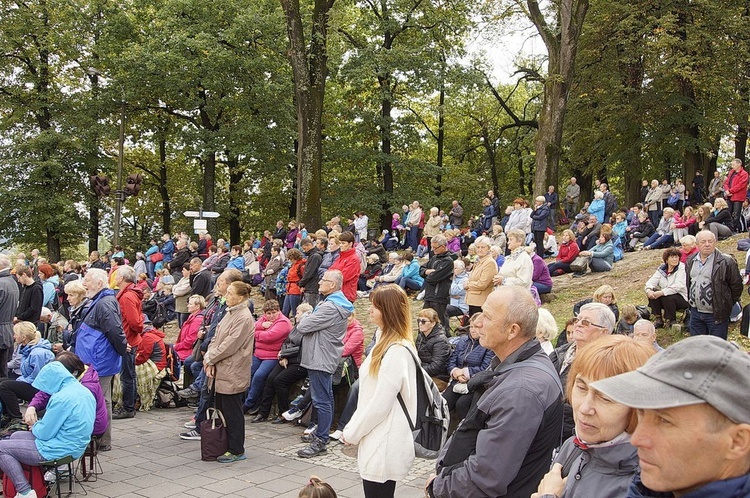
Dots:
pixel 480 281
pixel 231 350
pixel 432 226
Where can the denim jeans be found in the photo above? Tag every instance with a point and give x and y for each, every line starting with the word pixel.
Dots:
pixel 704 324
pixel 127 379
pixel 350 407
pixel 408 283
pixel 321 388
pixel 290 305
pixel 19 449
pixel 258 375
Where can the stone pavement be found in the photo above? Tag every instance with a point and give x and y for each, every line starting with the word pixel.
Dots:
pixel 148 459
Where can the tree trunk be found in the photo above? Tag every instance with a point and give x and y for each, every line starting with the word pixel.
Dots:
pixel 740 143
pixel 562 48
pixel 166 208
pixel 384 162
pixel 309 72
pixel 440 140
pixel 235 189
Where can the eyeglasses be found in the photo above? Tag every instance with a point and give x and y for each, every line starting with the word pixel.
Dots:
pixel 325 280
pixel 586 322
pixel 422 321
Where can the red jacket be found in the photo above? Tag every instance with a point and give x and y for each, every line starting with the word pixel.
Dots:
pixel 268 341
pixel 130 298
pixel 568 252
pixel 349 265
pixel 293 277
pixel 736 185
pixel 152 348
pixel 187 336
pixel 354 342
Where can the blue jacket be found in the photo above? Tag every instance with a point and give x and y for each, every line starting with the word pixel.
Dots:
pixel 167 250
pixel 238 263
pixel 412 272
pixel 604 251
pixel 100 340
pixel 539 218
pixel 34 357
pixel 49 287
pixel 597 208
pixel 469 353
pixel 68 421
pixel 738 487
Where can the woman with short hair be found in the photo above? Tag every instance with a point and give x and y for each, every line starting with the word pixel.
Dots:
pixel 479 284
pixel 667 289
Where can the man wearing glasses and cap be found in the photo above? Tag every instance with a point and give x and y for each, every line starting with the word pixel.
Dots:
pixel 594 320
pixel 693 433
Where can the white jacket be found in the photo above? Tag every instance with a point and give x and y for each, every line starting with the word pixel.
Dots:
pixel 379 426
pixel 676 283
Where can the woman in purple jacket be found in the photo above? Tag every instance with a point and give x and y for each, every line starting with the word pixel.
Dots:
pixel 88 377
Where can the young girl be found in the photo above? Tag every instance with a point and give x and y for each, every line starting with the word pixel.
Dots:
pixel 379 426
pixel 316 488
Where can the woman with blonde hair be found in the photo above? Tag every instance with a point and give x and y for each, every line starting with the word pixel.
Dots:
pixel 604 294
pixel 518 268
pixel 380 426
pixel 720 222
pixel 599 459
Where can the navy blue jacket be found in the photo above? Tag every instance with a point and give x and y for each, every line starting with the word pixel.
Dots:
pixel 468 353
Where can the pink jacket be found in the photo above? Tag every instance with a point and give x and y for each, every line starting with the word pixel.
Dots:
pixel 354 342
pixel 187 336
pixel 268 341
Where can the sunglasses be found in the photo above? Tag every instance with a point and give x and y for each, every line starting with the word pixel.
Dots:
pixel 586 322
pixel 422 321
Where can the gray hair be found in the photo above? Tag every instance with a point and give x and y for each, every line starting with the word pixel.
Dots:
pixel 644 325
pixel 4 261
pixel 336 277
pixel 598 194
pixel 99 276
pixel 440 240
pixel 517 234
pixel 546 327
pixel 605 317
pixel 127 273
pixel 521 309
pixel 459 264
pixel 483 240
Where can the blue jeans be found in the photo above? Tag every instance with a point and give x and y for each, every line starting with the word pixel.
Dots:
pixel 657 241
pixel 350 407
pixel 408 283
pixel 258 375
pixel 19 449
pixel 290 304
pixel 542 288
pixel 321 388
pixel 127 379
pixel 704 324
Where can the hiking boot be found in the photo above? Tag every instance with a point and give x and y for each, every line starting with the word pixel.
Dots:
pixel 191 435
pixel 316 447
pixel 258 418
pixel 188 392
pixel 229 458
pixel 122 413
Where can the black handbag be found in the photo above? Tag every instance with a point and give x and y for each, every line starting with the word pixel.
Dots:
pixel 214 442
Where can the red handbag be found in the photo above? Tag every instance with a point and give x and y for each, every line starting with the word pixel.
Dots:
pixel 156 257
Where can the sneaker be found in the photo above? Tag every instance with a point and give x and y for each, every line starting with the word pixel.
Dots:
pixel 191 435
pixel 315 448
pixel 336 434
pixel 190 425
pixel 292 414
pixel 420 296
pixel 311 428
pixel 104 447
pixel 229 458
pixel 188 392
pixel 29 494
pixel 50 476
pixel 121 414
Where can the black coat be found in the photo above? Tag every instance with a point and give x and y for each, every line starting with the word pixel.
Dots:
pixel 438 283
pixel 30 303
pixel 434 352
pixel 201 283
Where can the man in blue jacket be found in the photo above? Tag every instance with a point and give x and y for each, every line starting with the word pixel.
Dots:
pixel 693 433
pixel 100 340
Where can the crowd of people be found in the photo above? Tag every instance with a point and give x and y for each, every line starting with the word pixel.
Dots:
pixel 93 335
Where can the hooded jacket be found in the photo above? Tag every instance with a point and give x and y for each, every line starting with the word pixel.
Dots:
pixel 68 422
pixel 231 350
pixel 89 380
pixel 152 348
pixel 34 357
pixel 130 298
pixel 323 333
pixel 100 340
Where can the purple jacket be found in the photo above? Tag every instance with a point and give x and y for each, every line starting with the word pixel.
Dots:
pixel 541 271
pixel 90 381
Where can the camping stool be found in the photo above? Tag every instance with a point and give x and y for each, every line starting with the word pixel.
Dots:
pixel 89 463
pixel 54 465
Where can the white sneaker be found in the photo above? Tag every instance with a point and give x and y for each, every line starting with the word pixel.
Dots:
pixel 420 296
pixel 190 425
pixel 310 429
pixel 336 435
pixel 292 413
pixel 29 494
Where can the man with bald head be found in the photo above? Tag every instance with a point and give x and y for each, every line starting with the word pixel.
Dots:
pixel 504 445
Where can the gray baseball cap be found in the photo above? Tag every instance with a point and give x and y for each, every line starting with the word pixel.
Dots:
pixel 700 369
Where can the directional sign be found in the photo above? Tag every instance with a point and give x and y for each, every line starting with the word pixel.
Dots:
pixel 201 214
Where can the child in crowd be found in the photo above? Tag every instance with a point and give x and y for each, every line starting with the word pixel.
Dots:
pixel 629 316
pixel 316 488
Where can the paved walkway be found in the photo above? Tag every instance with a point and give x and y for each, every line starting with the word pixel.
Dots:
pixel 148 459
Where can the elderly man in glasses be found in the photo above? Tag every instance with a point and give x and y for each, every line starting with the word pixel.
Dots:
pixel 593 321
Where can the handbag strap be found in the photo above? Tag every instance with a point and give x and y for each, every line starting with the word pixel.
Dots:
pixel 214 414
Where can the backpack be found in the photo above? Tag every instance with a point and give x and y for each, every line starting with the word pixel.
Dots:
pixel 160 315
pixel 34 475
pixel 430 429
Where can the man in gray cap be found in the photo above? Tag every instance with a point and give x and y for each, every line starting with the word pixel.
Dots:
pixel 693 434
